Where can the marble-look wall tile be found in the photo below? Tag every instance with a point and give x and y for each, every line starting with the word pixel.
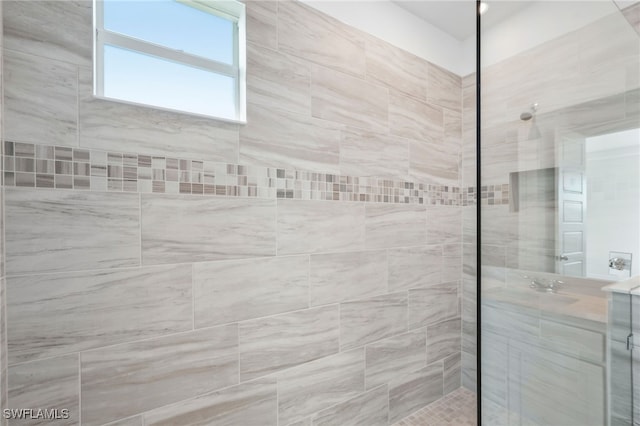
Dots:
pixel 304 143
pixel 55 314
pixel 443 339
pixel 51 383
pixel 365 153
pixel 345 99
pixel 433 304
pixel 444 225
pixel 396 355
pixel 151 131
pixel 184 228
pixel 443 88
pixel 338 277
pixel 414 267
pixel 40 99
pixel 317 37
pixel 508 323
pixel 368 409
pixel 368 320
pixel 396 68
pixel 411 391
pixel 52 29
pixel 274 343
pixel 314 226
pixel 50 231
pixel 433 161
pixel 230 291
pixel 469 371
pixel 305 422
pixel 251 403
pixel 312 387
pixel 396 225
pixel 275 79
pixel 262 22
pixel 451 262
pixel 453 130
pixel 414 119
pixel 131 421
pixel 452 368
pixel 495 367
pixel 132 378
pixel 3 340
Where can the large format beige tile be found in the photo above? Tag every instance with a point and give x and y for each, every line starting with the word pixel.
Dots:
pixel 132 378
pixel 412 391
pixel 414 119
pixel 345 99
pixel 151 131
pixel 368 320
pixel 184 228
pixel 317 385
pixel 365 153
pixel 444 225
pixel 444 88
pixel 315 36
pixel 236 290
pixel 452 368
pixel 453 129
pixel 50 315
pixel 338 277
pixel 271 344
pixel 51 383
pixel 262 22
pixel 50 231
pixel 3 342
pixel 415 267
pixel 443 339
pixel 277 80
pixel 59 30
pixel 386 359
pixel 396 68
pixel 433 304
pixel 395 225
pixel 435 162
pixel 319 226
pixel 368 409
pixel 303 143
pixel 40 99
pixel 252 404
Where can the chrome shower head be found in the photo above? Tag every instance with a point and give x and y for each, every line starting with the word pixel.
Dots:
pixel 526 116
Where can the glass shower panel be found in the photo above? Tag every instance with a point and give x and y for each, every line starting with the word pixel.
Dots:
pixel 559 197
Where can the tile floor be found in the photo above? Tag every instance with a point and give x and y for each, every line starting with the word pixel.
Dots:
pixel 455 409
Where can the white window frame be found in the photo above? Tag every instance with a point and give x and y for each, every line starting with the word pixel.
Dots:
pixel 227 9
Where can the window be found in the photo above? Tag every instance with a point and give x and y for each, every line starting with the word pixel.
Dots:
pixel 181 55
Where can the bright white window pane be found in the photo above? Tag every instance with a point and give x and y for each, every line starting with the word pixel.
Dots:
pixel 136 77
pixel 173 25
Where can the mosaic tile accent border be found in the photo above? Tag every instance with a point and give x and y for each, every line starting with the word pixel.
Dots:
pixel 48 166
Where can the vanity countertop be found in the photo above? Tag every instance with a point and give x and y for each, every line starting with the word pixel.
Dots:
pixel 630 286
pixel 562 304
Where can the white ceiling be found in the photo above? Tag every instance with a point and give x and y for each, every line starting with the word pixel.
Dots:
pixel 457 17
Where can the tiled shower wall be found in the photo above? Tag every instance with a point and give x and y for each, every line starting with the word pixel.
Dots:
pixel 162 268
pixel 3 333
pixel 595 91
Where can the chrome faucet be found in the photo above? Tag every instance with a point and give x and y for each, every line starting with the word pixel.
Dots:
pixel 545 284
